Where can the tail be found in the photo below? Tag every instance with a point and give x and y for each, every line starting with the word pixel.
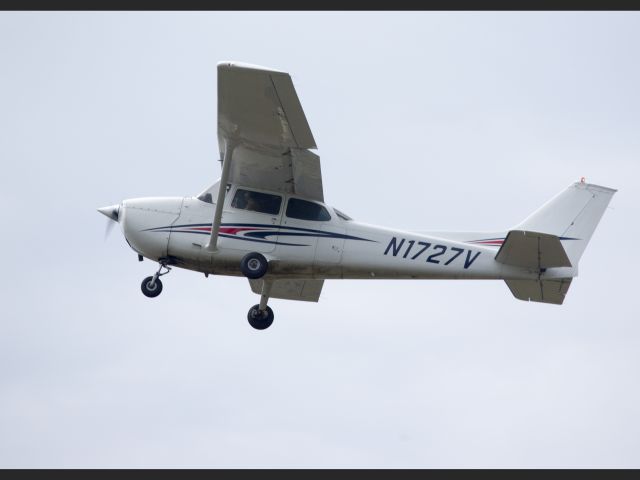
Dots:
pixel 572 216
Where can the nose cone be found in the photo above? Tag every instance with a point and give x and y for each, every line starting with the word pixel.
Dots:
pixel 113 212
pixel 146 223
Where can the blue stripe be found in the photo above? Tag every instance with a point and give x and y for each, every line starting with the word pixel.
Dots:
pixel 234 237
pixel 278 231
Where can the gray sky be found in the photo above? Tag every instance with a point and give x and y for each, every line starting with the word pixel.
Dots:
pixel 424 120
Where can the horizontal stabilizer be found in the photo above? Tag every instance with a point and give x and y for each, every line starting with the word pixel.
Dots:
pixel 306 290
pixel 535 250
pixel 545 291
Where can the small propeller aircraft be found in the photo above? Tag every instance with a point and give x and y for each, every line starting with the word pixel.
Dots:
pixel 266 219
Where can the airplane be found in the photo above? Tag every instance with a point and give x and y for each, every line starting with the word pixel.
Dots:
pixel 266 217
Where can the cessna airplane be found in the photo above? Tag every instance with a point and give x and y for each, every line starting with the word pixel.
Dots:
pixel 266 219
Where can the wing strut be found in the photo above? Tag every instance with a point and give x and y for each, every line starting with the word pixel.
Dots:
pixel 222 190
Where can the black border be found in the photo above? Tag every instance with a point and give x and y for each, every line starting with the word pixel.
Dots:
pixel 324 5
pixel 328 473
pixel 320 5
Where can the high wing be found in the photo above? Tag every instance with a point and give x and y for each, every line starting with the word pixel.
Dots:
pixel 263 135
pixel 259 112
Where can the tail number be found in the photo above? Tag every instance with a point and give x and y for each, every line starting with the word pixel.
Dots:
pixel 437 252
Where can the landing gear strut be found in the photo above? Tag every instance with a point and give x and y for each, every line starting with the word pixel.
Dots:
pixel 261 316
pixel 152 286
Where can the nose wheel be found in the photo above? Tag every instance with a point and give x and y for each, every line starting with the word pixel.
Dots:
pixel 152 286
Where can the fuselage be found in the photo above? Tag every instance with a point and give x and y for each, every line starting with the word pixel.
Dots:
pixel 324 245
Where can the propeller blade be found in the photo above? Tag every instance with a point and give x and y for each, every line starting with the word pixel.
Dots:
pixel 108 229
pixel 113 216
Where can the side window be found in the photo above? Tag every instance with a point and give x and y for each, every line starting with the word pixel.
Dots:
pixel 256 201
pixel 304 210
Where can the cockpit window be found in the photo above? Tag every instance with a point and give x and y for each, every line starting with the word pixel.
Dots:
pixel 256 201
pixel 304 210
pixel 342 215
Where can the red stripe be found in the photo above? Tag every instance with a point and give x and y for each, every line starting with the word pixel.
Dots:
pixel 234 230
pixel 489 242
pixel 227 230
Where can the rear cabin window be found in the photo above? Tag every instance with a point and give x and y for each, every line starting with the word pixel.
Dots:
pixel 256 201
pixel 304 210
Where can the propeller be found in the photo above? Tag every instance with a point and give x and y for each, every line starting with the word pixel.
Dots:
pixel 112 213
pixel 108 229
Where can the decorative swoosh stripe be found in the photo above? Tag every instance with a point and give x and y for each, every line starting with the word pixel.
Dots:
pixel 497 242
pixel 255 232
pixel 490 242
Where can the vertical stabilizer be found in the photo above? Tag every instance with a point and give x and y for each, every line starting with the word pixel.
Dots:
pixel 572 215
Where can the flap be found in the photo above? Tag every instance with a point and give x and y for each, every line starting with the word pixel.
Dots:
pixel 296 172
pixel 307 290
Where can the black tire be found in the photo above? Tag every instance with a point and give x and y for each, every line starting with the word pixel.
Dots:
pixel 254 265
pixel 151 292
pixel 260 320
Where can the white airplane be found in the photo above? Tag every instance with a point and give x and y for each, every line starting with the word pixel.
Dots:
pixel 269 222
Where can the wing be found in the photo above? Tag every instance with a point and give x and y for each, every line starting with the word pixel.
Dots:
pixel 259 111
pixel 307 290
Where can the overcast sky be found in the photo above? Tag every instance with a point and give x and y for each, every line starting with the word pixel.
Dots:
pixel 424 120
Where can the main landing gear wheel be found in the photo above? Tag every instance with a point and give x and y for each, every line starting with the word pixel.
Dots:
pixel 260 319
pixel 254 265
pixel 151 289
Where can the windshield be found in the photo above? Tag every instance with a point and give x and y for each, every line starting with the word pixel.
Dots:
pixel 343 216
pixel 210 193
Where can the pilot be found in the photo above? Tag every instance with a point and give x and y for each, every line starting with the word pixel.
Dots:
pixel 251 202
pixel 240 201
